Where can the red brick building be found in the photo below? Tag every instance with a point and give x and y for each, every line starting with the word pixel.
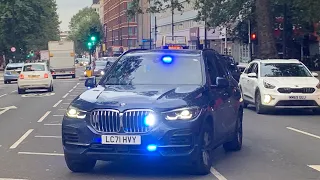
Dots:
pixel 119 29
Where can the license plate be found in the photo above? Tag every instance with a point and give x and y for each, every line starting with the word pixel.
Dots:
pixel 34 76
pixel 297 97
pixel 121 139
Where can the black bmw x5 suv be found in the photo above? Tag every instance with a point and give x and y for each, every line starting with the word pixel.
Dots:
pixel 168 104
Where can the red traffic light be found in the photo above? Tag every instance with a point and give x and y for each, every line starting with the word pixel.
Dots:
pixel 253 36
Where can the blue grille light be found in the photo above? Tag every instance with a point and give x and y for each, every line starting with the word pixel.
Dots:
pixel 167 59
pixel 150 120
pixel 151 147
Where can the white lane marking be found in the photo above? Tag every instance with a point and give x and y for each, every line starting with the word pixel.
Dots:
pixel 66 103
pixel 65 95
pixel 316 167
pixel 5 109
pixel 58 137
pixel 70 90
pixel 78 83
pixel 57 103
pixel 11 179
pixel 217 174
pixel 23 137
pixel 52 124
pixel 57 115
pixel 75 86
pixel 43 154
pixel 3 95
pixel 44 116
pixel 303 132
pixel 14 91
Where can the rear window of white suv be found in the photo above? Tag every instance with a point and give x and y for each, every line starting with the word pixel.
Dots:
pixel 34 67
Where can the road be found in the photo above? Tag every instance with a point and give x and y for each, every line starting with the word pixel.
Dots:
pixel 281 146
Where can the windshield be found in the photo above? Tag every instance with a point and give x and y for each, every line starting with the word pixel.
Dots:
pixel 34 67
pixel 146 69
pixel 101 63
pixel 13 67
pixel 284 70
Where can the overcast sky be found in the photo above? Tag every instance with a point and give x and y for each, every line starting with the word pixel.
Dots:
pixel 68 8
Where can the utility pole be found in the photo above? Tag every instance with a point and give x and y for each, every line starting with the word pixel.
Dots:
pixel 155 29
pixel 205 34
pixel 249 36
pixel 172 20
pixel 150 27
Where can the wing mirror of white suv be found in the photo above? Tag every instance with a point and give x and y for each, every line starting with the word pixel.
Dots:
pixel 315 74
pixel 252 75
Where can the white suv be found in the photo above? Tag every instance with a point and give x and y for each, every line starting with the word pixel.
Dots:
pixel 280 83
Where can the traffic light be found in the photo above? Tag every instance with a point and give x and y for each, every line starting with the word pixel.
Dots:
pixel 253 36
pixel 89 45
pixel 93 38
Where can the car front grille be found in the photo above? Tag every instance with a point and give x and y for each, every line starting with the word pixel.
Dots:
pixel 112 121
pixel 306 90
pixel 297 103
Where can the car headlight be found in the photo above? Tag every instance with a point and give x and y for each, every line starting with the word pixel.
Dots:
pixel 182 114
pixel 268 85
pixel 102 72
pixel 85 73
pixel 73 112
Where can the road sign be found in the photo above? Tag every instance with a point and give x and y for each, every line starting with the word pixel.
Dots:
pixel 13 49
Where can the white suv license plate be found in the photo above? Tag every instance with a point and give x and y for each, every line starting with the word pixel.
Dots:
pixel 297 97
pixel 121 139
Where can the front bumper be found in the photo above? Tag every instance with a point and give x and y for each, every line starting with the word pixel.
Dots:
pixel 292 100
pixel 176 140
pixel 34 84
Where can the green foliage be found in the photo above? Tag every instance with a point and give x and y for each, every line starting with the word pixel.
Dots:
pixel 80 26
pixel 28 24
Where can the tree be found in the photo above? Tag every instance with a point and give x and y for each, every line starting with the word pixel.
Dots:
pixel 80 26
pixel 27 24
pixel 227 13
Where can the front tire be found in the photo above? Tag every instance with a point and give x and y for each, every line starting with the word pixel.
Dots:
pixel 260 109
pixel 236 143
pixel 80 165
pixel 5 82
pixel 203 162
pixel 21 91
pixel 73 76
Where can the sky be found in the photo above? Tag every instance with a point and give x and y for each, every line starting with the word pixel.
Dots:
pixel 68 8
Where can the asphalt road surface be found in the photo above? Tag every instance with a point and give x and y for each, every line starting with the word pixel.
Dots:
pixel 281 146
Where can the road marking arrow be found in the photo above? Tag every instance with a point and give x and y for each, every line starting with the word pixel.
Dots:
pixel 5 109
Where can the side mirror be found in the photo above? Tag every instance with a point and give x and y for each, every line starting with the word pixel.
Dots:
pixel 221 83
pixel 91 82
pixel 252 75
pixel 315 74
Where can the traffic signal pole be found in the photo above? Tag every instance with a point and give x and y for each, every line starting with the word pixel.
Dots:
pixel 250 44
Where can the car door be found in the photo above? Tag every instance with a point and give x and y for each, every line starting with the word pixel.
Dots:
pixel 244 79
pixel 228 95
pixel 215 101
pixel 252 81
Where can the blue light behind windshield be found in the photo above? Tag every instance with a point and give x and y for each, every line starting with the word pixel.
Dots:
pixel 167 59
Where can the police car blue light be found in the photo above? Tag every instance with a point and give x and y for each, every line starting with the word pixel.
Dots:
pixel 151 147
pixel 167 59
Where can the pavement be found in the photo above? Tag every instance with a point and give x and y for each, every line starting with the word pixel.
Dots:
pixel 282 146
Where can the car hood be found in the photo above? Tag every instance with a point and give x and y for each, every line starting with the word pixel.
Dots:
pixel 292 81
pixel 142 96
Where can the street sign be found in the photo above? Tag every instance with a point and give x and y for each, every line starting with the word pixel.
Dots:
pixel 13 49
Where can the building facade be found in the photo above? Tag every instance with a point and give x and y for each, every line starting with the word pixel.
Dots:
pixel 120 30
pixel 185 24
pixel 144 38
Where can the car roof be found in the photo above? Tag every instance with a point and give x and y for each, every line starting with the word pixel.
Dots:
pixel 169 51
pixel 277 60
pixel 41 63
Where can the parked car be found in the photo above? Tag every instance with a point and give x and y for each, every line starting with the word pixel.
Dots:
pixel 150 105
pixel 278 84
pixel 11 72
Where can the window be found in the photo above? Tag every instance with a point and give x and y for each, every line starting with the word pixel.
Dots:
pixel 249 69
pixel 211 67
pixel 33 67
